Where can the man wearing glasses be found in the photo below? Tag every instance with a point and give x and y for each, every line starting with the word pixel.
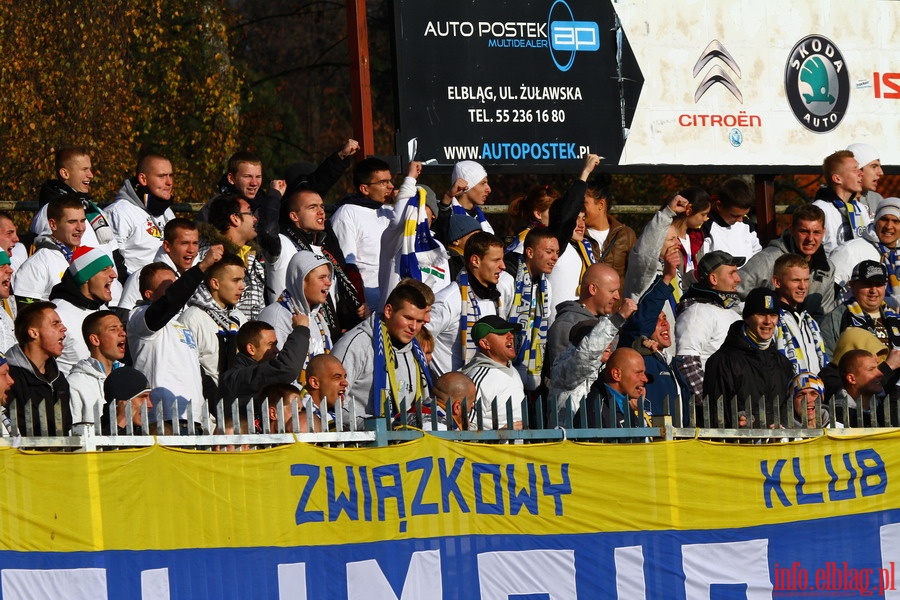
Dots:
pixel 360 220
pixel 233 224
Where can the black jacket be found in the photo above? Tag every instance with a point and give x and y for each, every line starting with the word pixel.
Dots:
pixel 51 388
pixel 247 377
pixel 69 290
pixel 740 370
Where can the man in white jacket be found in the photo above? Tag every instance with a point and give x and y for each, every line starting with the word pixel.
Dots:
pixel 104 335
pixel 214 319
pixel 845 217
pixel 880 242
pixel 706 312
pixel 495 378
pixel 482 288
pixel 361 218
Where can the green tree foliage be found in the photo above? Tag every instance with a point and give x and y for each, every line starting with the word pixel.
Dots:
pixel 118 77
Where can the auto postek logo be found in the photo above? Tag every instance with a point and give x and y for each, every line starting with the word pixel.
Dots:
pixel 570 36
pixel 817 83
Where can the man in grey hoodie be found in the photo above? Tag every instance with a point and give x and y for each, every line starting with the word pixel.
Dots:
pixel 307 284
pixel 805 239
pixel 104 336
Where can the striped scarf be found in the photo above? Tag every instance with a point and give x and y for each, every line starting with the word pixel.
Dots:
pixel 852 215
pixel 345 287
pixel 420 254
pixel 890 258
pixel 316 316
pixel 531 312
pixel 385 388
pixel 460 210
pixel 586 254
pixel 469 314
pixel 518 242
pixel 793 349
pixel 859 318
pixel 224 317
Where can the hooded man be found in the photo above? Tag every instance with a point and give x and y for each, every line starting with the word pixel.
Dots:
pixel 308 282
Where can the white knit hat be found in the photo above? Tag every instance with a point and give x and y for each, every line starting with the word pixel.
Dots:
pixel 888 206
pixel 470 171
pixel 863 153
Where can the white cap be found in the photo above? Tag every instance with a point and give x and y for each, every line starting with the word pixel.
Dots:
pixel 888 206
pixel 470 171
pixel 864 153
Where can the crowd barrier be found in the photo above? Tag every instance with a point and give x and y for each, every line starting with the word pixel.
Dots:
pixel 338 515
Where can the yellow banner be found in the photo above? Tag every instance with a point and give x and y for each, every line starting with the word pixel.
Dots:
pixel 161 498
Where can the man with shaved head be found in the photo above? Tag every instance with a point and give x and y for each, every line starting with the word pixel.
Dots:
pixel 326 379
pixel 600 286
pixel 622 387
pixel 450 389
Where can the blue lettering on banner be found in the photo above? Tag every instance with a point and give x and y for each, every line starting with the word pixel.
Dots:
pixel 873 479
pixel 379 493
pixel 461 567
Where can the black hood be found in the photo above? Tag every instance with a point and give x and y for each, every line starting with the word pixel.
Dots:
pixel 69 290
pixel 54 187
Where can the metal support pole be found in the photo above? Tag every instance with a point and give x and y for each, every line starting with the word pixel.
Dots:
pixel 765 208
pixel 360 80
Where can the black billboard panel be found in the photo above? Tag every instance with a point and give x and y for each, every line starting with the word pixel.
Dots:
pixel 520 86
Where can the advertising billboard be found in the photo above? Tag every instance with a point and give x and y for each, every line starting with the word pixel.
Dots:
pixel 651 85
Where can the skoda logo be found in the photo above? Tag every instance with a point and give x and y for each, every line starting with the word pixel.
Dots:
pixel 817 83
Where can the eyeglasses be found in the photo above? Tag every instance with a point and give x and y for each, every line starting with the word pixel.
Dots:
pixel 253 213
pixel 381 182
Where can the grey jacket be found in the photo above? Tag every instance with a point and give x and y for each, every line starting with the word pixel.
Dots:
pixel 568 314
pixel 579 366
pixel 758 273
pixel 356 353
pixel 643 262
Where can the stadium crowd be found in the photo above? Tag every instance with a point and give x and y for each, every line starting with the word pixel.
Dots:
pixel 403 298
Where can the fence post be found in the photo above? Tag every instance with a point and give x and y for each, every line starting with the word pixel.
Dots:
pixel 85 432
